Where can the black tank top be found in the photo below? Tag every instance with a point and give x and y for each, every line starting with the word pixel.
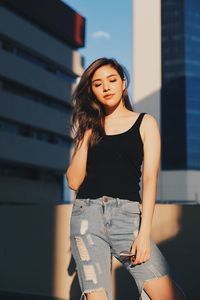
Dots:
pixel 114 166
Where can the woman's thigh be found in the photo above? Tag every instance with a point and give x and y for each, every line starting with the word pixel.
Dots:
pixel 164 287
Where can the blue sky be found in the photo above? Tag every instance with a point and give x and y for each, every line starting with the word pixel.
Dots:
pixel 108 30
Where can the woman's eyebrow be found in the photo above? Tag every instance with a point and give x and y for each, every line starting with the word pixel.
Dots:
pixel 107 77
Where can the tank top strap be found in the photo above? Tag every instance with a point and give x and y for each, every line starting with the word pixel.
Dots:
pixel 139 119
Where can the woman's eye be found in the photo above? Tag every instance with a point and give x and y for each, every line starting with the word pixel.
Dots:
pixel 98 84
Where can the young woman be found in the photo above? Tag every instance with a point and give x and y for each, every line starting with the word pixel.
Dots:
pixel 108 216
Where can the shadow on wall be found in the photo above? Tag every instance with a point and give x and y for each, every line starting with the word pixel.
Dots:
pixel 26 251
pixel 183 251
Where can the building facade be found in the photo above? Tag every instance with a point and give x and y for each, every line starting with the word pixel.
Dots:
pixel 39 67
pixel 180 84
pixel 166 73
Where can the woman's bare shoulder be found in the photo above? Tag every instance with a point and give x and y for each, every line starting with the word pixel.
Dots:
pixel 149 120
pixel 149 124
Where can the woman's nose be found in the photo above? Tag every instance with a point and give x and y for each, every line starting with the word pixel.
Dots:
pixel 105 86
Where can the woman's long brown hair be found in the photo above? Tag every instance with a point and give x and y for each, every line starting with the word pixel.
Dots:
pixel 88 112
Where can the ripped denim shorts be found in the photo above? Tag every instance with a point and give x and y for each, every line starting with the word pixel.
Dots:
pixel 103 227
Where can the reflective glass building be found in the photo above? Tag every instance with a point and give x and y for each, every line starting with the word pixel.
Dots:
pixel 180 94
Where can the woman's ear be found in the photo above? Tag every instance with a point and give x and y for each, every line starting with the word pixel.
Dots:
pixel 124 84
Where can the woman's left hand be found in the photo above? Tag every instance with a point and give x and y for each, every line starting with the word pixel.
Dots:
pixel 141 248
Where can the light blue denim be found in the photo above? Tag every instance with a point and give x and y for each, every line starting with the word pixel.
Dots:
pixel 103 227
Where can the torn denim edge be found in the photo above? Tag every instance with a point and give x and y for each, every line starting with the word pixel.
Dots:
pixel 93 290
pixel 147 280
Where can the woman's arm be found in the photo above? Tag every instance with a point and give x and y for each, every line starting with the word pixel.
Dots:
pixel 76 171
pixel 152 145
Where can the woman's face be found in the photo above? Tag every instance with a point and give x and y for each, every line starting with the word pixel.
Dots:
pixel 108 86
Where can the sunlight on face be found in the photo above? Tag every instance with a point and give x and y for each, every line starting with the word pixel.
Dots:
pixel 107 85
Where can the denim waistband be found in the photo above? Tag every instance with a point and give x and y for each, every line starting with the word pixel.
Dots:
pixel 109 200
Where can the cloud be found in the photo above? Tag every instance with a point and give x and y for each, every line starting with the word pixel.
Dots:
pixel 101 34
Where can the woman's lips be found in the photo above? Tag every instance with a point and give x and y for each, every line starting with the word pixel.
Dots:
pixel 109 96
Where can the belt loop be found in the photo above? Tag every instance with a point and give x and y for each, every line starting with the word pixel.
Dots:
pixel 118 202
pixel 105 199
pixel 88 201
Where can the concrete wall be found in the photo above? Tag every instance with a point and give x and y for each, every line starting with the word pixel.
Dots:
pixel 41 43
pixel 44 154
pixel 38 74
pixel 35 257
pixel 32 76
pixel 21 110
